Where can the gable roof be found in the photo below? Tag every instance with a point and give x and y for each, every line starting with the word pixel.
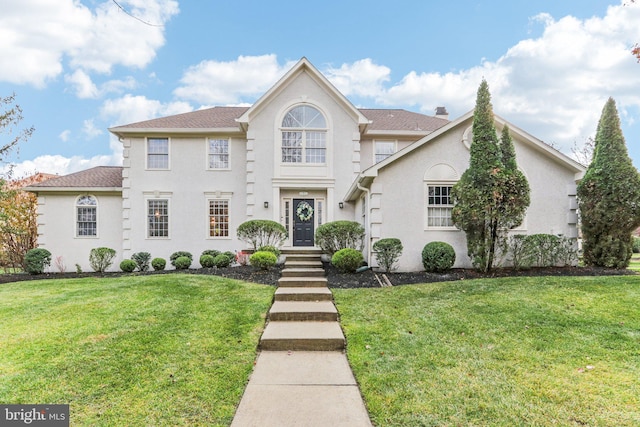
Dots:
pixel 366 177
pixel 303 66
pixel 100 178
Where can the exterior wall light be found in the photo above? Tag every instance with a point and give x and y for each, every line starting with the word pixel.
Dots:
pixel 341 205
pixel 266 205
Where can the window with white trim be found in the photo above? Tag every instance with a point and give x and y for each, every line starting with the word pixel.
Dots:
pixel 218 153
pixel 158 153
pixel 158 218
pixel 384 149
pixel 304 136
pixel 439 205
pixel 218 218
pixel 86 216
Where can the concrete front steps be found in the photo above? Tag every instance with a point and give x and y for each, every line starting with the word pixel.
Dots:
pixel 303 316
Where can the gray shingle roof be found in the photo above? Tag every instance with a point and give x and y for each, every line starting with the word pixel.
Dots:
pixel 224 117
pixel 98 177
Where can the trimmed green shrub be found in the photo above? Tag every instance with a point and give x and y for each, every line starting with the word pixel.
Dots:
pixel 438 257
pixel 222 261
pixel 214 253
pixel 128 265
pixel 35 260
pixel 262 232
pixel 387 252
pixel 231 255
pixel 206 261
pixel 263 260
pixel 636 244
pixel 182 263
pixel 271 249
pixel 174 256
pixel 336 235
pixel 100 259
pixel 347 260
pixel 142 260
pixel 158 264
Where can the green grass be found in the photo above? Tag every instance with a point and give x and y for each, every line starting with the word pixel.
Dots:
pixel 502 352
pixel 155 350
pixel 635 263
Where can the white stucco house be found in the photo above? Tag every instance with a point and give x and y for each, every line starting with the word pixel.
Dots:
pixel 188 181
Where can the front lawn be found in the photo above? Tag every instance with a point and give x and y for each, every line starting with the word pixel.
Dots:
pixel 498 352
pixel 160 350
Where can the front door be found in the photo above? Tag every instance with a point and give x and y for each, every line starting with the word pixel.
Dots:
pixel 303 212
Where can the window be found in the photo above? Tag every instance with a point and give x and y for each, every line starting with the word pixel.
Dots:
pixel 218 218
pixel 157 218
pixel 304 136
pixel 218 154
pixel 384 149
pixel 86 216
pixel 439 206
pixel 158 153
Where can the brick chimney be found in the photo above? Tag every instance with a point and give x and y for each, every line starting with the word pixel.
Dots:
pixel 442 113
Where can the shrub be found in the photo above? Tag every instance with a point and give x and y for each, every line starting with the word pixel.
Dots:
pixel 35 260
pixel 263 260
pixel 142 260
pixel 337 235
pixel 271 249
pixel 438 257
pixel 636 244
pixel 347 260
pixel 158 264
pixel 100 259
pixel 182 263
pixel 206 261
pixel 128 265
pixel 230 254
pixel 222 261
pixel 387 252
pixel 214 253
pixel 522 255
pixel 174 256
pixel 261 232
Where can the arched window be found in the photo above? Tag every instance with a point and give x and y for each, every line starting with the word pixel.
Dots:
pixel 304 135
pixel 86 216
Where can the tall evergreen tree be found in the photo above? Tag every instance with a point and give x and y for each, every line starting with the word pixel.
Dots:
pixel 609 196
pixel 492 195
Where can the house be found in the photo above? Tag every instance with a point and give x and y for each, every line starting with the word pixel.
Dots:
pixel 302 155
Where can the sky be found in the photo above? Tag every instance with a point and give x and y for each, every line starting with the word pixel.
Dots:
pixel 78 68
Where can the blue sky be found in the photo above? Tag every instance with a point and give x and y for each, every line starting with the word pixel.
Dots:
pixel 80 67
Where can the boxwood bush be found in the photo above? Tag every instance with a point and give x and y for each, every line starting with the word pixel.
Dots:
pixel 128 265
pixel 222 261
pixel 158 264
pixel 206 261
pixel 438 257
pixel 182 263
pixel 214 253
pixel 271 249
pixel 263 260
pixel 347 260
pixel 336 235
pixel 174 256
pixel 35 260
pixel 387 252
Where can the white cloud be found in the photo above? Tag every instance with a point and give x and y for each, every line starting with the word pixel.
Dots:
pixel 217 82
pixel 64 135
pixel 89 129
pixel 60 165
pixel 41 35
pixel 362 78
pixel 84 88
pixel 132 109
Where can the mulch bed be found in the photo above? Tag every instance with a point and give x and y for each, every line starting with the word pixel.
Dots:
pixel 365 279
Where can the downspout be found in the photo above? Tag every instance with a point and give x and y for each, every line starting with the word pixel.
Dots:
pixel 367 220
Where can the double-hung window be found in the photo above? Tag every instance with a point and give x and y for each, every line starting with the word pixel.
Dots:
pixel 158 153
pixel 218 154
pixel 439 206
pixel 304 136
pixel 384 149
pixel 218 218
pixel 157 218
pixel 86 216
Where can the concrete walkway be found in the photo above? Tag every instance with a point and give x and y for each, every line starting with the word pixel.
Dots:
pixel 302 377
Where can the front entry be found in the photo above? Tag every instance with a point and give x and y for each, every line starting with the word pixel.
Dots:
pixel 303 213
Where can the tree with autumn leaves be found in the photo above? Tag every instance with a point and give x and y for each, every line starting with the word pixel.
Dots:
pixel 492 195
pixel 18 231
